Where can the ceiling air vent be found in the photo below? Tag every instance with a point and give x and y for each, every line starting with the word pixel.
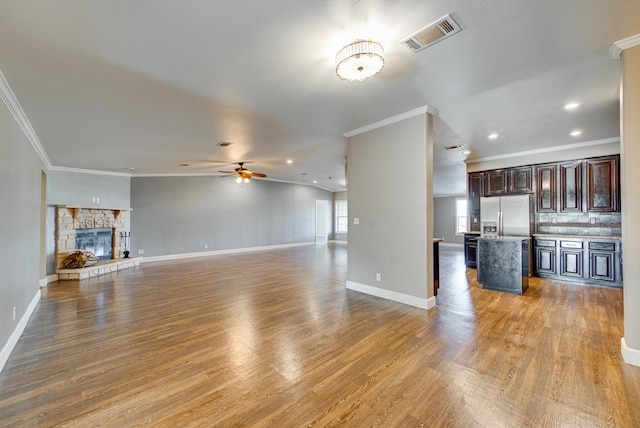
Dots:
pixel 456 146
pixel 432 33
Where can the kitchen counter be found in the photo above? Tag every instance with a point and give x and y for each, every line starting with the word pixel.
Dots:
pixel 589 237
pixel 504 263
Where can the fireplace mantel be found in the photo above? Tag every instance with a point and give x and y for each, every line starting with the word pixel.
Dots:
pixel 75 209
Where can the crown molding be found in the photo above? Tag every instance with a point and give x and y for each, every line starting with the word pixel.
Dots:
pixel 384 122
pixel 616 49
pixel 548 149
pixel 88 171
pixel 10 100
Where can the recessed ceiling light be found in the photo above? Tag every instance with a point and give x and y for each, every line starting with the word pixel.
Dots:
pixel 571 106
pixel 466 152
pixel 576 133
pixel 315 181
pixel 289 161
pixel 493 136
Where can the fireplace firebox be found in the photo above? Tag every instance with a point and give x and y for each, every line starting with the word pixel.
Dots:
pixel 99 241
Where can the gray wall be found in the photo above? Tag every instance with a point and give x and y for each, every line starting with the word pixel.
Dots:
pixel 77 188
pixel 20 193
pixel 444 219
pixel 392 208
pixel 178 215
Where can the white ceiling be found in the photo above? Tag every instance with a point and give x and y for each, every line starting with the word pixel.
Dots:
pixel 150 84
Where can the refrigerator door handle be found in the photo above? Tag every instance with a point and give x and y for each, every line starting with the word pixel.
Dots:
pixel 500 223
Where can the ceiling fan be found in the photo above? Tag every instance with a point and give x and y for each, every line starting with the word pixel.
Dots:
pixel 243 174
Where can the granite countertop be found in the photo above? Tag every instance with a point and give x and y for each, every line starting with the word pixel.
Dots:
pixel 591 237
pixel 505 238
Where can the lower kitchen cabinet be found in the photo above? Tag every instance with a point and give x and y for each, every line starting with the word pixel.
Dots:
pixel 589 260
pixel 471 250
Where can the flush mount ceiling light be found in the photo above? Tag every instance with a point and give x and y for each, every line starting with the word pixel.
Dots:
pixel 359 60
pixel 572 106
pixel 493 136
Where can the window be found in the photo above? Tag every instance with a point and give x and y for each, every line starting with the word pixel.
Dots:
pixel 342 220
pixel 461 216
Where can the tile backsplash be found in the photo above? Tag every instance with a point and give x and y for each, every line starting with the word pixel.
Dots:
pixel 587 224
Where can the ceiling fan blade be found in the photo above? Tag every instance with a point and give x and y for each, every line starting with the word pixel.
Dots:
pixel 227 172
pixel 257 174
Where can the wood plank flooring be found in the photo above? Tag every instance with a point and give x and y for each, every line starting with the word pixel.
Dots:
pixel 274 339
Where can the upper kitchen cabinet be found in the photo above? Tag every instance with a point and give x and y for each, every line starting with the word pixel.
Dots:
pixel 546 189
pixel 570 186
pixel 496 182
pixel 602 176
pixel 520 179
pixel 475 192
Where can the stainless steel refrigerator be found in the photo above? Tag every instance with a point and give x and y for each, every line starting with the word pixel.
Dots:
pixel 506 216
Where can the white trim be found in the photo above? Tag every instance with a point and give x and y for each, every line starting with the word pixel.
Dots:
pixel 88 171
pixel 616 49
pixel 451 244
pixel 338 241
pixel 52 278
pixel 10 100
pixel 384 122
pixel 630 355
pixel 43 282
pixel 547 149
pixel 222 252
pixel 418 302
pixel 15 336
pixel 451 195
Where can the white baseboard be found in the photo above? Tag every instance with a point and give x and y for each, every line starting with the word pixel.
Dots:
pixel 451 244
pixel 221 252
pixel 630 355
pixel 43 282
pixel 418 302
pixel 15 336
pixel 337 241
pixel 52 278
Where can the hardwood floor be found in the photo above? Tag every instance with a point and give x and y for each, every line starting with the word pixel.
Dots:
pixel 274 339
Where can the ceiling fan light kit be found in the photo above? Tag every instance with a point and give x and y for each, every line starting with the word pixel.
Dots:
pixel 359 60
pixel 242 174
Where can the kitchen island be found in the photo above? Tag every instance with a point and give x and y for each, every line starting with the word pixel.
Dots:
pixel 504 263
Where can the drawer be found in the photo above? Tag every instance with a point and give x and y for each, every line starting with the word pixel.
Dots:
pixel 571 244
pixel 605 246
pixel 545 243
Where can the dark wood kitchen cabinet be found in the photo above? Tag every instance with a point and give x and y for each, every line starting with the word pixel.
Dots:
pixel 571 259
pixel 520 180
pixel 546 189
pixel 603 181
pixel 475 192
pixel 545 257
pixel 496 182
pixel 570 187
pixel 471 250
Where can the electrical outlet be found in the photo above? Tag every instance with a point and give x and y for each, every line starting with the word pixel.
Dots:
pixel 553 220
pixel 206 246
pixel 356 220
pixel 378 277
pixel 140 252
pixel 592 220
pixel 14 313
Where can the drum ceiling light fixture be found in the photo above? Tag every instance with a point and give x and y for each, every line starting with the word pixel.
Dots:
pixel 359 60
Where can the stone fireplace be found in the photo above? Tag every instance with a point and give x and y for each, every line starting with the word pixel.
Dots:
pixel 71 219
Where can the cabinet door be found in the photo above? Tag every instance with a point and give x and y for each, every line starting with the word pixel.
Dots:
pixel 470 254
pixel 546 189
pixel 495 182
pixel 546 261
pixel 520 180
pixel 571 263
pixel 475 191
pixel 602 184
pixel 570 186
pixel 602 266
